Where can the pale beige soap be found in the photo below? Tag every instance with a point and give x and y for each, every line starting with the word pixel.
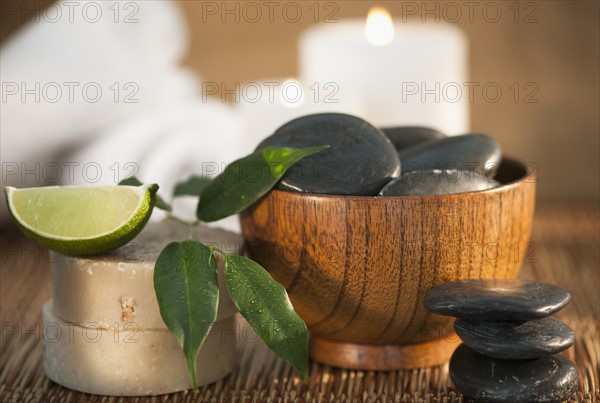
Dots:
pixel 120 362
pixel 117 289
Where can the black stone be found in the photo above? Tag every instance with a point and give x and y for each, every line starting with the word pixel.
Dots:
pixel 546 379
pixel 437 182
pixel 360 160
pixel 516 340
pixel 404 137
pixel 471 152
pixel 496 299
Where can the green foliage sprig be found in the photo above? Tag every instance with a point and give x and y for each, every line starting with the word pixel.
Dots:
pixel 185 274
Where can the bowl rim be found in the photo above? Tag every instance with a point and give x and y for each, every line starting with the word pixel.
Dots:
pixel 529 177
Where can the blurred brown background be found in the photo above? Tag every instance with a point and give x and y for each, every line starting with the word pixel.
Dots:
pixel 553 44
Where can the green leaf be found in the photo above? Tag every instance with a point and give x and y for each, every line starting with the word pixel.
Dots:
pixel 187 290
pixel 266 306
pixel 193 186
pixel 133 181
pixel 245 180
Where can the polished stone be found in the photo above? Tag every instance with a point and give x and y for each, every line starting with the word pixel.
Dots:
pixel 496 299
pixel 472 152
pixel 546 379
pixel 516 340
pixel 437 182
pixel 404 137
pixel 360 160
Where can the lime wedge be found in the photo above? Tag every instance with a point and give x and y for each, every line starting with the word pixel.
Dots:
pixel 82 220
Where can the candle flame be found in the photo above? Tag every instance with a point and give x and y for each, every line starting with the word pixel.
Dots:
pixel 379 28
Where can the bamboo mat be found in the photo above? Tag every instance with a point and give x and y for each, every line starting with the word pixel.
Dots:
pixel 567 253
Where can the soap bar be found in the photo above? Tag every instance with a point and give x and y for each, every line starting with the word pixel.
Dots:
pixel 130 362
pixel 117 289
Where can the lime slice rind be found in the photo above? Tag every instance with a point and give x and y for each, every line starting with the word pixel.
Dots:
pixel 119 231
pixel 139 190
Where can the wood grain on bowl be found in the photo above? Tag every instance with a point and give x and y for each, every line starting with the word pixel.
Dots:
pixel 383 358
pixel 357 267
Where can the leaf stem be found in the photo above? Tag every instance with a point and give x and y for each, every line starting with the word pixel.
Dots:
pixel 224 254
pixel 190 224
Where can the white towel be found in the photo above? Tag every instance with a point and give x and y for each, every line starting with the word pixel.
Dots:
pixel 133 58
pixel 142 58
pixel 166 145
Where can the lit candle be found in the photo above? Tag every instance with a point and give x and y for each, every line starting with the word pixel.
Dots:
pixel 409 73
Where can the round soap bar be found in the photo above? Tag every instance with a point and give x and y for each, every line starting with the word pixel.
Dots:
pixel 470 152
pixel 404 137
pixel 516 340
pixel 131 362
pixel 437 182
pixel 496 299
pixel 359 161
pixel 546 379
pixel 118 288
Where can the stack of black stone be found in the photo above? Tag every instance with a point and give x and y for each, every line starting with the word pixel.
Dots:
pixel 510 339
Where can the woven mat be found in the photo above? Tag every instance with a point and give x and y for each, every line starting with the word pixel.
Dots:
pixel 566 252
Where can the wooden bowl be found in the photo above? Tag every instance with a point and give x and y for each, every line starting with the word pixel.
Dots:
pixel 356 268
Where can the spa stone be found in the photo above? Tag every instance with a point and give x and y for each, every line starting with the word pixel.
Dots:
pixel 496 299
pixel 360 161
pixel 516 340
pixel 404 137
pixel 471 152
pixel 546 379
pixel 437 182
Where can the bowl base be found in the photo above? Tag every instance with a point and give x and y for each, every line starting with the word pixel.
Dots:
pixel 391 357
